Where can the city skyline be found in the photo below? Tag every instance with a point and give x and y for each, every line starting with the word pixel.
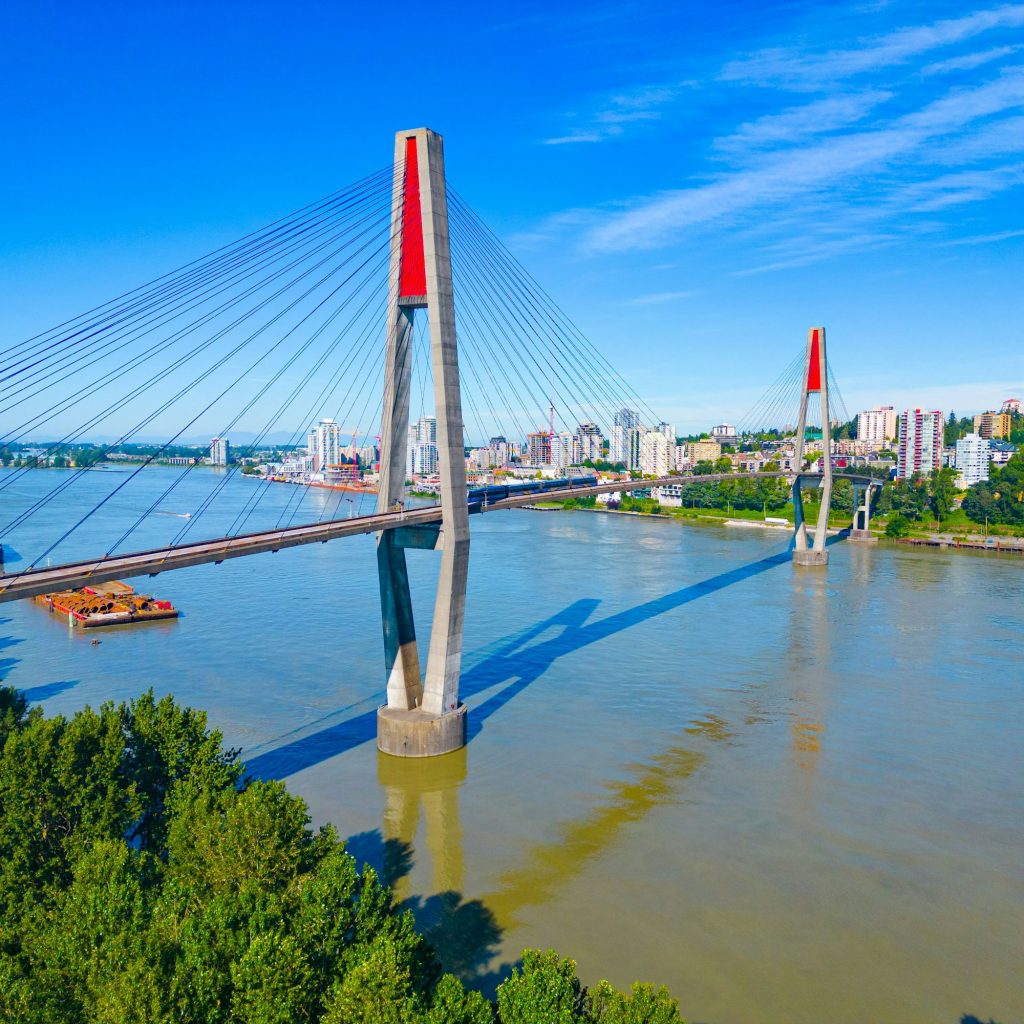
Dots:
pixel 892 133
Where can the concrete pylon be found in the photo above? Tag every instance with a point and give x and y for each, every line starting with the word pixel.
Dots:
pixel 811 550
pixel 422 717
pixel 861 530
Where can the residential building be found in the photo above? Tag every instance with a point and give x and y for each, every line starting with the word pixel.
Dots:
pixel 1012 406
pixel 973 457
pixel 625 420
pixel 993 424
pixel 920 442
pixel 562 450
pixel 668 430
pixel 878 425
pixel 1002 452
pixel 538 448
pixel 702 451
pixel 423 458
pixel 591 442
pixel 656 453
pixel 724 433
pixel 220 451
pixel 324 444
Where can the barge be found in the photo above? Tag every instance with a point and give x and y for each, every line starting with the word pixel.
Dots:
pixel 107 604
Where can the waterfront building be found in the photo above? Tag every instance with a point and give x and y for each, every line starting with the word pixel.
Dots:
pixel 878 425
pixel 993 424
pixel 423 458
pixel 680 460
pixel 220 451
pixel 1001 452
pixel 655 453
pixel 591 442
pixel 324 444
pixel 625 420
pixel 702 451
pixel 538 448
pixel 973 457
pixel 920 442
pixel 562 450
pixel 499 452
pixel 724 433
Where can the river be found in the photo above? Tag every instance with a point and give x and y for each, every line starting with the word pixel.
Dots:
pixel 790 795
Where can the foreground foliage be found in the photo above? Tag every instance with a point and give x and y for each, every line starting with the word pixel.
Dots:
pixel 142 879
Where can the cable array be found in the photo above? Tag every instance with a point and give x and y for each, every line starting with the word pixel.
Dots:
pixel 264 337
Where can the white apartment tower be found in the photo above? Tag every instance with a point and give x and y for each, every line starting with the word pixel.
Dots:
pixel 626 420
pixel 324 445
pixel 220 451
pixel 973 458
pixel 656 453
pixel 877 425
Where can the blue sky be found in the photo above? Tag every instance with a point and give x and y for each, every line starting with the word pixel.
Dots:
pixel 695 184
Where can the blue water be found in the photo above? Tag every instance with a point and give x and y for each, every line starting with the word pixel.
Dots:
pixel 791 795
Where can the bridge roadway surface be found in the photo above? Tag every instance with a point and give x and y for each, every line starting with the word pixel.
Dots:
pixel 31 582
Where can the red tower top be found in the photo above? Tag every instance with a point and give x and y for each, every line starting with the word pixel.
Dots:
pixel 814 364
pixel 412 282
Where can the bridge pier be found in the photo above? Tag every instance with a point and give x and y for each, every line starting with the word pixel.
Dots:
pixel 861 532
pixel 422 717
pixel 811 550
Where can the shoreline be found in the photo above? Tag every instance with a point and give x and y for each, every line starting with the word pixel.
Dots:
pixel 934 541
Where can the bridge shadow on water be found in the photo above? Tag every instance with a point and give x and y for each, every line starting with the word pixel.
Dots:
pixel 517 661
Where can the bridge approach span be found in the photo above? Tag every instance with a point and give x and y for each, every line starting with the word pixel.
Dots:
pixel 32 582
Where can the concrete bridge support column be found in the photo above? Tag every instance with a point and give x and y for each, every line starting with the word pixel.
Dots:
pixel 807 549
pixel 861 532
pixel 422 719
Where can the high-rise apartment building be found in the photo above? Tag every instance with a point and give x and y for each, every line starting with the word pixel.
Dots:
pixel 591 442
pixel 220 451
pixel 422 456
pixel 920 442
pixel 993 424
pixel 973 458
pixel 324 445
pixel 656 453
pixel 538 448
pixel 878 425
pixel 625 421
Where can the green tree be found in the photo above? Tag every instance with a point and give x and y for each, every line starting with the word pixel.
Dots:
pixel 898 526
pixel 545 989
pixel 942 492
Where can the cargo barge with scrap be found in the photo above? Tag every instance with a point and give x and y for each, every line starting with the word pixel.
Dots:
pixel 107 604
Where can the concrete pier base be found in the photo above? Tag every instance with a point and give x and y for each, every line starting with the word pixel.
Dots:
pixel 418 733
pixel 810 557
pixel 863 537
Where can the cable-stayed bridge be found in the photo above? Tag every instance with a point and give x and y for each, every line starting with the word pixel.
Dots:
pixel 321 311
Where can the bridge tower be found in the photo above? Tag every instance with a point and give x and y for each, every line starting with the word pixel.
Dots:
pixel 423 716
pixel 808 550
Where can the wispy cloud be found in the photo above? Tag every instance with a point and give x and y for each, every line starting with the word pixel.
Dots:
pixel 798 123
pixel 615 113
pixel 999 236
pixel 970 61
pixel 799 171
pixel 797 69
pixel 657 298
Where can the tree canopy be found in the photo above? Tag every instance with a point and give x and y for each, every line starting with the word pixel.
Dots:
pixel 145 880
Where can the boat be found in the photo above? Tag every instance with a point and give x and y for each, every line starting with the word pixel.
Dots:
pixel 108 604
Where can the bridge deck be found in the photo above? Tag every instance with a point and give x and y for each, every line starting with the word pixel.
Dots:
pixel 31 582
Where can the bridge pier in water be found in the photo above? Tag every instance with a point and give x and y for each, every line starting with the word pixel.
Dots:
pixel 811 550
pixel 861 531
pixel 422 717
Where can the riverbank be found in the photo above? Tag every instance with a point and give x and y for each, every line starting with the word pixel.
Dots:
pixel 713 517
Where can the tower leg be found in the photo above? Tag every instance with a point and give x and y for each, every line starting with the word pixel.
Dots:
pixel 424 723
pixel 807 550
